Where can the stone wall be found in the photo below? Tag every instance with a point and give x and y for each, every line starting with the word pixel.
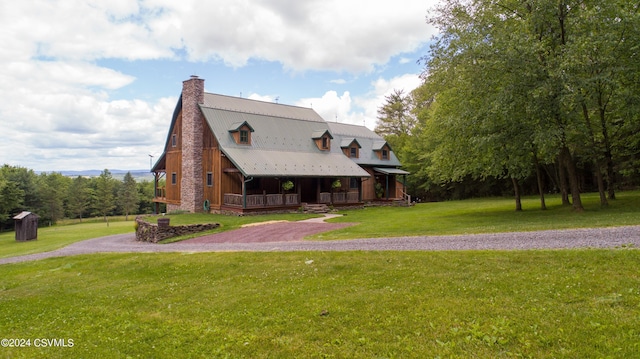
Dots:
pixel 151 232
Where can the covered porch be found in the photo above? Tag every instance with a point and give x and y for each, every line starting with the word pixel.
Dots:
pixel 272 193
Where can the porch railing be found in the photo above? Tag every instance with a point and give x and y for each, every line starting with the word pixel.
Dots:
pixel 338 197
pixel 161 192
pixel 262 200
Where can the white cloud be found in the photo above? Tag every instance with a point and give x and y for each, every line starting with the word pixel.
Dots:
pixel 331 35
pixel 55 105
pixel 361 110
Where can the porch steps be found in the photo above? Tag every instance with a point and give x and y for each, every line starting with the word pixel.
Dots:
pixel 316 208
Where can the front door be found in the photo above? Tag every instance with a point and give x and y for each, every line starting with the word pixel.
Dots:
pixel 309 190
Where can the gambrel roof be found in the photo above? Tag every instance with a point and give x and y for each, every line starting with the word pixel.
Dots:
pixel 282 141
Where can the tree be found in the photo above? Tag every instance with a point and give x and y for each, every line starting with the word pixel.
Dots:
pixel 79 197
pixel 128 196
pixel 146 190
pixel 52 190
pixel 105 193
pixel 25 180
pixel 480 122
pixel 396 119
pixel 10 201
pixel 517 85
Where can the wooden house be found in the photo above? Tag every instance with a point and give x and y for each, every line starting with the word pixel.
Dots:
pixel 227 153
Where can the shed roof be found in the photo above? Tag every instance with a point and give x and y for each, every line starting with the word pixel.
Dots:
pixel 23 215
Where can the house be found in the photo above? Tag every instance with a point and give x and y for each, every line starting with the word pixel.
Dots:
pixel 227 153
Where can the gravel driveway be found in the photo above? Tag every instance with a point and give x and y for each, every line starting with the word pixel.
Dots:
pixel 283 237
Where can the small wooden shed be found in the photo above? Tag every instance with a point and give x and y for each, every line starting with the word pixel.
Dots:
pixel 26 226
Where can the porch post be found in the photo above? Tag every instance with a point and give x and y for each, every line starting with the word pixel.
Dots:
pixel 386 177
pixel 244 193
pixel 156 207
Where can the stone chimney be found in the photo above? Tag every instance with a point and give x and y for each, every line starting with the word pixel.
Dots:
pixel 192 189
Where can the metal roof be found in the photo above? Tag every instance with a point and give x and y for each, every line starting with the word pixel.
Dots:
pixel 280 146
pixel 22 215
pixel 369 142
pixel 261 163
pixel 391 171
pixel 239 104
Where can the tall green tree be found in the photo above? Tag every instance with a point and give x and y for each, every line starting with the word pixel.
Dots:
pixel 52 190
pixel 27 181
pixel 396 119
pixel 479 72
pixel 128 196
pixel 519 84
pixel 11 197
pixel 79 197
pixel 105 196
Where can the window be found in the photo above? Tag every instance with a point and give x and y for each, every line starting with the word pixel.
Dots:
pixel 174 140
pixel 353 183
pixel 244 136
pixel 174 178
pixel 385 154
pixel 325 142
pixel 353 152
pixel 209 179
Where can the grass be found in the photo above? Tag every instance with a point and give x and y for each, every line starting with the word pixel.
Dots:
pixel 52 238
pixel 70 231
pixel 485 215
pixel 486 304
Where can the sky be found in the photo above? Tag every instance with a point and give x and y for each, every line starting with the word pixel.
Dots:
pixel 93 84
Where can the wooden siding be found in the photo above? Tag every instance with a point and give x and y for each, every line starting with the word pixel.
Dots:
pixel 347 151
pixel 319 140
pixel 211 164
pixel 174 163
pixel 379 153
pixel 236 135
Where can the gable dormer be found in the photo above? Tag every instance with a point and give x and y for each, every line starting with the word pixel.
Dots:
pixel 382 150
pixel 241 133
pixel 351 148
pixel 322 139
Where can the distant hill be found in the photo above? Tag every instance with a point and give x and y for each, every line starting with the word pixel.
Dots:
pixel 138 175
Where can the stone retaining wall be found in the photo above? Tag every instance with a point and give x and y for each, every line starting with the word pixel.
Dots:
pixel 150 232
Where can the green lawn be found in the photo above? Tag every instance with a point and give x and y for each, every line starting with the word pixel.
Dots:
pixel 472 304
pixel 51 238
pixel 455 217
pixel 486 215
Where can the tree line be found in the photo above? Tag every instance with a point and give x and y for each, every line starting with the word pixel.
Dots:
pixel 53 196
pixel 530 96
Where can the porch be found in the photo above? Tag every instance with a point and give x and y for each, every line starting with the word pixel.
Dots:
pixel 279 200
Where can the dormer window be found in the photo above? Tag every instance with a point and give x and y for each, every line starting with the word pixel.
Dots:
pixel 350 147
pixel 322 139
pixel 382 150
pixel 244 137
pixel 241 133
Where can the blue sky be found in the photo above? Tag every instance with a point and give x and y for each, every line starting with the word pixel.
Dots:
pixel 92 84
